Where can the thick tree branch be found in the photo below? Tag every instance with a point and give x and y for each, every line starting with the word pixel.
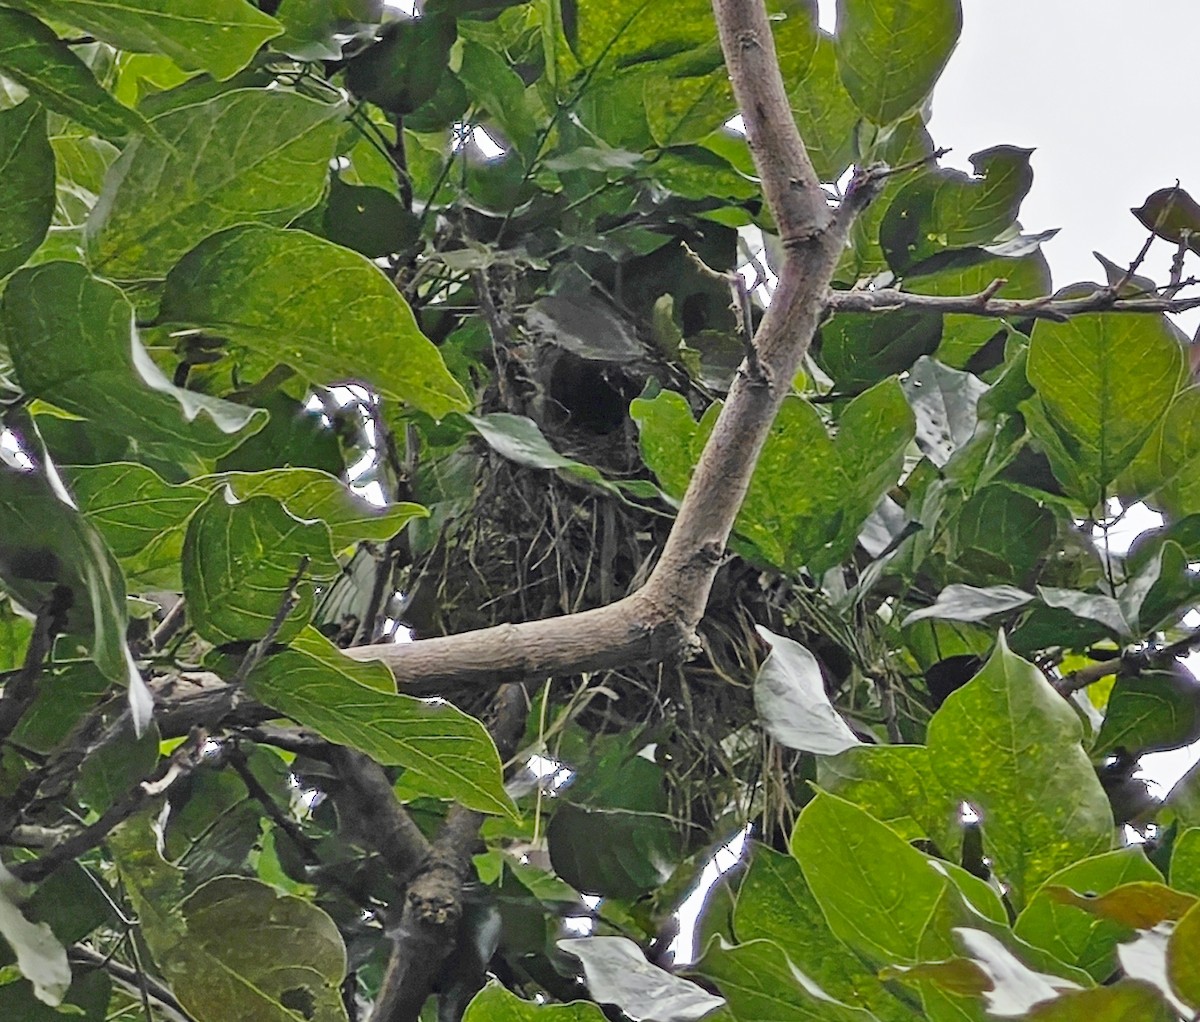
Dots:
pixel 428 930
pixel 984 304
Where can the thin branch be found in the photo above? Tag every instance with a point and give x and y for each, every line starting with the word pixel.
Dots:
pixel 21 689
pixel 170 624
pixel 985 304
pixel 291 597
pixel 181 762
pixel 1130 661
pixel 132 980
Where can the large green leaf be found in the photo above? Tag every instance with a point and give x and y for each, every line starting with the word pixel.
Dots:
pixel 74 345
pixel 235 948
pixel 309 493
pixel 26 183
pixel 627 32
pixel 1104 382
pixel 810 494
pixel 140 516
pixel 239 560
pixel 290 297
pixel 896 785
pixel 891 52
pixel 1168 465
pixel 944 208
pixel 219 36
pixel 30 53
pixel 315 29
pixel 774 903
pixel 244 156
pixel 1153 711
pixel 448 751
pixel 685 104
pixel 1007 743
pixel 46 543
pixel 824 112
pixel 760 984
pixel 882 897
pixel 1125 1001
pixel 617 973
pixel 496 1004
pixel 1072 935
pixel 858 349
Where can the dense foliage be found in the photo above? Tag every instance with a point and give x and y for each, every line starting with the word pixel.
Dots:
pixel 260 264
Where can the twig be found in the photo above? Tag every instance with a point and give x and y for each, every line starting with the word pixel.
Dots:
pixel 255 653
pixel 20 692
pixel 1134 266
pixel 169 625
pixel 1177 260
pixel 868 182
pixel 181 762
pixel 742 307
pixel 983 304
pixel 132 979
pixel 1131 661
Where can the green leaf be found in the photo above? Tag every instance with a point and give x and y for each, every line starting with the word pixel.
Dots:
pixel 774 903
pixel 312 27
pixel 1104 382
pixel 945 209
pixel 40 957
pixel 612 835
pixel 80 165
pixel 1125 1001
pixel 328 313
pixel 612 853
pixel 810 494
pixel 45 543
pixel 617 973
pixel 244 156
pixel 26 183
pixel 308 493
pixel 969 272
pixel 403 68
pixel 74 345
pixel 448 751
pixel 518 439
pixel 1007 743
pixel 1183 957
pixel 791 702
pixel 891 52
pixel 1154 711
pixel 495 87
pixel 760 984
pixel 628 32
pixel 896 785
pixel 1185 861
pixel 218 36
pixel 824 112
pixel 239 560
pixel 141 517
pixel 235 947
pixel 1168 466
pixel 971 603
pixel 121 762
pixel 944 403
pixel 858 349
pixel 33 55
pixel 1072 935
pixel 496 1004
pixel 369 220
pixel 881 896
